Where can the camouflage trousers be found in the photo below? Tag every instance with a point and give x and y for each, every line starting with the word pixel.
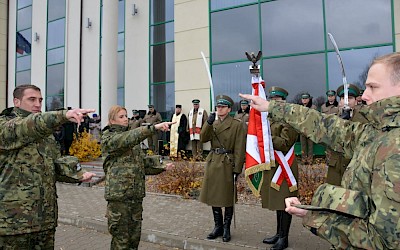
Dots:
pixel 125 224
pixel 43 240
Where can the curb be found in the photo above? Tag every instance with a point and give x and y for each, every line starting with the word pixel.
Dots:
pixel 157 237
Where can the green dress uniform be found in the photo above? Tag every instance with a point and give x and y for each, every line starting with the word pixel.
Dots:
pixel 30 165
pixel 336 162
pixel 283 138
pixel 152 118
pixel 363 213
pixel 125 166
pixel 226 158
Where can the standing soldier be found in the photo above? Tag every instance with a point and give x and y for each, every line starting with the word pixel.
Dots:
pixel 243 113
pixel 273 194
pixel 30 165
pixel 178 132
pixel 135 121
pixel 152 118
pixel 331 105
pixel 197 117
pixel 336 162
pixel 307 146
pixel 224 164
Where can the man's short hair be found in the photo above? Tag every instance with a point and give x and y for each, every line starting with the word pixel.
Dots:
pixel 392 61
pixel 19 90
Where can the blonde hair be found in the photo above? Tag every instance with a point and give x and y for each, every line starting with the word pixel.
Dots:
pixel 392 62
pixel 113 112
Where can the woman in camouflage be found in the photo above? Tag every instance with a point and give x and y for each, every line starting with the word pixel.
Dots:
pixel 125 166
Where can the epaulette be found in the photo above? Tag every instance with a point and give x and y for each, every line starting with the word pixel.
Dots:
pixel 237 119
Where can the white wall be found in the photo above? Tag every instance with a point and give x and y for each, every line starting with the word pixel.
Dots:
pixel 3 53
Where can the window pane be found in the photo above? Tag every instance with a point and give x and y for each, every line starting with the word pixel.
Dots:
pixel 24 19
pixel 356 63
pixel 121 69
pixel 121 41
pixel 162 11
pixel 55 56
pixel 297 74
pixel 232 79
pixel 162 68
pixel 23 77
pixel 163 98
pixel 220 4
pixel 24 42
pixel 24 3
pixel 121 97
pixel 359 22
pixel 55 35
pixel 233 32
pixel 55 80
pixel 54 102
pixel 162 33
pixel 121 16
pixel 56 9
pixel 23 63
pixel 292 26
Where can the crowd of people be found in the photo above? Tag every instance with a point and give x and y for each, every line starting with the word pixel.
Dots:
pixel 358 207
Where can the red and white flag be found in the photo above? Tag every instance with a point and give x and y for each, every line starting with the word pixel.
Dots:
pixel 259 149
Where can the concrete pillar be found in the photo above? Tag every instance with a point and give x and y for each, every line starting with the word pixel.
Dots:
pixel 3 52
pixel 109 62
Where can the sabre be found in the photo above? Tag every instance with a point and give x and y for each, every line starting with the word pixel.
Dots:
pixel 210 81
pixel 344 79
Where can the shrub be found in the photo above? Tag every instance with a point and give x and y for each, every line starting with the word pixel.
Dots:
pixel 184 179
pixel 310 177
pixel 85 147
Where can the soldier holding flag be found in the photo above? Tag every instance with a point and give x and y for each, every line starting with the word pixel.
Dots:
pixel 280 181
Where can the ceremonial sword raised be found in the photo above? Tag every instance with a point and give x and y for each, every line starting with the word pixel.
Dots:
pixel 344 79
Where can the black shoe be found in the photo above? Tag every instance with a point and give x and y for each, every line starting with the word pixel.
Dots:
pixel 281 244
pixel 218 231
pixel 218 220
pixel 226 237
pixel 271 240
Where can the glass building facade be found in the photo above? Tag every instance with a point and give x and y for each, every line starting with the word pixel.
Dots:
pixel 292 34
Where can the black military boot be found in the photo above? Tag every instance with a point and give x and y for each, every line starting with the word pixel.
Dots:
pixel 283 241
pixel 227 224
pixel 274 239
pixel 218 219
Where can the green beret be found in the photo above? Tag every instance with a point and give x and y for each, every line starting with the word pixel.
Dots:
pixel 353 90
pixel 277 91
pixel 224 100
pixel 244 102
pixel 196 101
pixel 330 93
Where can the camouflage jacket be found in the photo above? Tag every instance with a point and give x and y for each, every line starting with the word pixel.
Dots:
pixel 30 164
pixel 364 212
pixel 125 164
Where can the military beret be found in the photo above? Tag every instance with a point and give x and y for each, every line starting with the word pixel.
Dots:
pixel 277 91
pixel 330 92
pixel 178 106
pixel 353 90
pixel 224 100
pixel 305 96
pixel 150 106
pixel 196 101
pixel 244 102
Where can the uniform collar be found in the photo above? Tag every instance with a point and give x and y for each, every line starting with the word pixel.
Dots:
pixel 383 114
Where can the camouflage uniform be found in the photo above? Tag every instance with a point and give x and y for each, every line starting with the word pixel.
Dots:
pixel 30 165
pixel 368 201
pixel 125 166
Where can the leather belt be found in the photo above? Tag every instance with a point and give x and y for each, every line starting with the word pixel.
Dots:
pixel 220 151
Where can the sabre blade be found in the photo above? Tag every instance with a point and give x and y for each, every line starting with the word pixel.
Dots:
pixel 210 81
pixel 344 79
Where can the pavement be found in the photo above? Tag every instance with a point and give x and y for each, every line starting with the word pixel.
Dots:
pixel 174 222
